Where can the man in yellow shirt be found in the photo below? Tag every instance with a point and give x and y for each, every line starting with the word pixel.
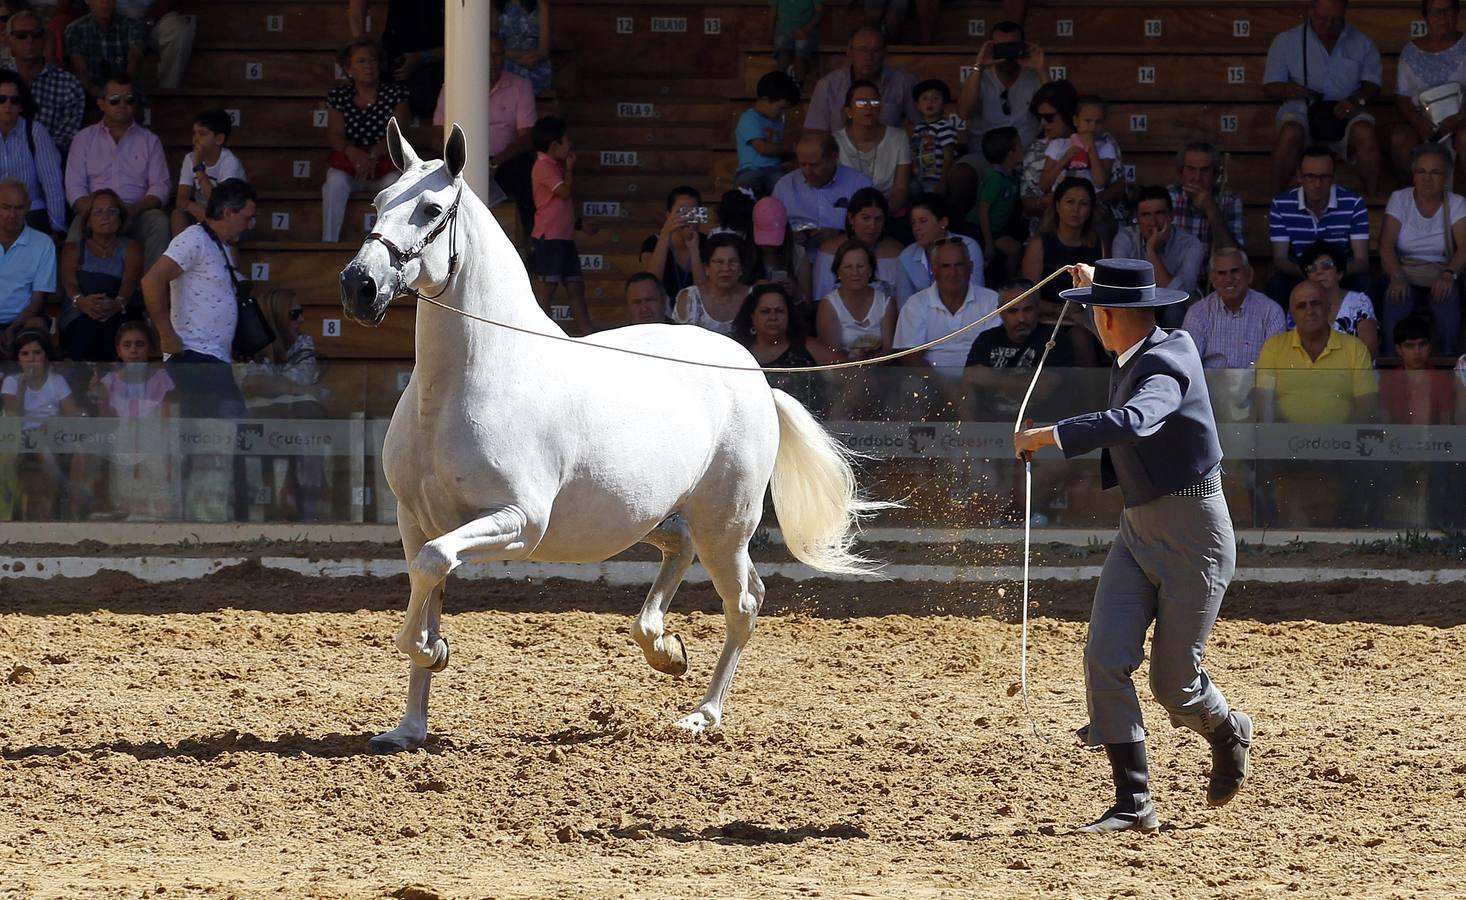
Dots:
pixel 1314 374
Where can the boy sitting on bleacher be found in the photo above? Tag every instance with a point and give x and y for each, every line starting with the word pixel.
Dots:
pixel 209 163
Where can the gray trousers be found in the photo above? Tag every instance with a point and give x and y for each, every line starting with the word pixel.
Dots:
pixel 1170 564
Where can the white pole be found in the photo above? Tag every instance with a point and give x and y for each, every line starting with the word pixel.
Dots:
pixel 466 84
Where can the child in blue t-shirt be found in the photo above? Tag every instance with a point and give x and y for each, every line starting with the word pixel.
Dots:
pixel 760 134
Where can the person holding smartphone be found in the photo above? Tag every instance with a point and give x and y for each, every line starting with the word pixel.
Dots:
pixel 1006 75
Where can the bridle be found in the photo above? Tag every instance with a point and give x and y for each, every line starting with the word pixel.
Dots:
pixel 397 259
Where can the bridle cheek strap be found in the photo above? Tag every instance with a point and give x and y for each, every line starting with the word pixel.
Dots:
pixel 398 258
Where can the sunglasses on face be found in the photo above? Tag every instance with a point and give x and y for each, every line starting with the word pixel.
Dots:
pixel 1047 117
pixel 867 104
pixel 1322 265
pixel 106 212
pixel 30 35
pixel 8 99
pixel 297 314
pixel 114 99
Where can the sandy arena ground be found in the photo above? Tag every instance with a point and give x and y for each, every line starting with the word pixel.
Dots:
pixel 208 739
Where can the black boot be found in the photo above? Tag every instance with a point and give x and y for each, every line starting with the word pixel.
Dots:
pixel 1230 744
pixel 1133 809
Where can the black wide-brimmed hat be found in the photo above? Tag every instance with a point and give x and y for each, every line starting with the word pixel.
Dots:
pixel 1121 283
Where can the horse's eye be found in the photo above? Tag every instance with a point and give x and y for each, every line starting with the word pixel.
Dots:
pixel 433 210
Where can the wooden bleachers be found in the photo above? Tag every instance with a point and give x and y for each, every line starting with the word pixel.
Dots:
pixel 671 96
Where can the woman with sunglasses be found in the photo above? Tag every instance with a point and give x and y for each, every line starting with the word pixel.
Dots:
pixel 1053 106
pixel 866 217
pixel 28 154
pixel 100 275
pixel 880 152
pixel 1350 311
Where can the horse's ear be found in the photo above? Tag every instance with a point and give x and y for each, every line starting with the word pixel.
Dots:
pixel 400 151
pixel 455 152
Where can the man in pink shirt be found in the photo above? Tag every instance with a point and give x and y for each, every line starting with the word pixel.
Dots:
pixel 511 116
pixel 120 154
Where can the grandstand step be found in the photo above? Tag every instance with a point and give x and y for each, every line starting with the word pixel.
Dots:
pixel 295 217
pixel 276 26
pixel 1216 28
pixel 265 69
pixel 259 121
pixel 637 186
pixel 648 136
pixel 298 218
pixel 1149 76
pixel 649 110
pixel 641 88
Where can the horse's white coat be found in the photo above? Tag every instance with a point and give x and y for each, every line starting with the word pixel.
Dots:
pixel 506 446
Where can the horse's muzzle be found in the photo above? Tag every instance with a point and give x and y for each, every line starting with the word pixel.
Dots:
pixel 362 298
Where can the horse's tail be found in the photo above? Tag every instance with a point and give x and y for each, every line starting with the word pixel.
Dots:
pixel 815 495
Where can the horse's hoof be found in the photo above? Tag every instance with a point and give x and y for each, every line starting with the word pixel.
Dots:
pixel 675 661
pixel 441 661
pixel 696 722
pixel 391 742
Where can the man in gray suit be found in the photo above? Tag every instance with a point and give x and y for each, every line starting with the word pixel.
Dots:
pixel 1175 553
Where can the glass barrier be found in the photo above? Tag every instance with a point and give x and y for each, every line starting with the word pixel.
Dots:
pixel 1302 450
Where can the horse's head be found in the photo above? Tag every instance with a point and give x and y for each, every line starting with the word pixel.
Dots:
pixel 414 247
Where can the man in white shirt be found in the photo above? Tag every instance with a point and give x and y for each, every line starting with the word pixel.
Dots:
pixel 193 303
pixel 950 303
pixel 1007 73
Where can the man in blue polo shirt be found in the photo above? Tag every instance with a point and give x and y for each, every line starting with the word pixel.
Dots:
pixel 1317 210
pixel 27 264
pixel 817 193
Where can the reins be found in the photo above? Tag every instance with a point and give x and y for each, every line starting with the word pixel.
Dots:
pixel 771 370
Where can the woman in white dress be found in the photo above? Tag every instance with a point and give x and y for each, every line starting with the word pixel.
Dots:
pixel 714 302
pixel 858 318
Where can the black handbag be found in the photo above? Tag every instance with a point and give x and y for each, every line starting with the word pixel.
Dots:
pixel 252 333
pixel 1323 126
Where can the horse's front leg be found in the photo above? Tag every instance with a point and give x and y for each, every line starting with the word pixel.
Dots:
pixel 413 729
pixel 499 534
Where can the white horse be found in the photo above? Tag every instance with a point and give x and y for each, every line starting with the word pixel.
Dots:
pixel 512 445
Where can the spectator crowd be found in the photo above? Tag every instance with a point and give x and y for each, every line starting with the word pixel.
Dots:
pixel 892 212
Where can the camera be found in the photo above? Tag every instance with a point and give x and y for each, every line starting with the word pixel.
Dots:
pixel 1008 50
pixel 695 215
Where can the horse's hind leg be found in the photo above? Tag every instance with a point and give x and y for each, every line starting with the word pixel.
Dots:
pixel 743 596
pixel 665 652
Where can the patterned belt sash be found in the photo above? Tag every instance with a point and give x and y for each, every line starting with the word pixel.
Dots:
pixel 1203 488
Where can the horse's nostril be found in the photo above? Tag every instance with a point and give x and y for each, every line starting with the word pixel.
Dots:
pixel 366 290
